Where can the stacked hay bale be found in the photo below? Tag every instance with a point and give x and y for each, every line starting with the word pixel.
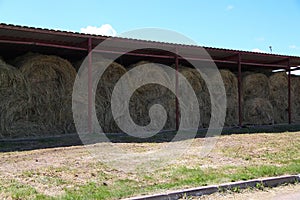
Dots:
pixel 104 91
pixel 257 109
pixel 150 94
pixel 14 102
pixel 50 80
pixel 255 85
pixel 231 95
pixel 279 96
pixel 231 88
pixel 295 96
pixel 200 89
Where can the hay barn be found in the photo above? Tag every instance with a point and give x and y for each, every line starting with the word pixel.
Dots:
pixel 38 68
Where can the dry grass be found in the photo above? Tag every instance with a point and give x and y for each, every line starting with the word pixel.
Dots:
pixel 68 170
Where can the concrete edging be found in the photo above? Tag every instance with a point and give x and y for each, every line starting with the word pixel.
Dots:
pixel 205 190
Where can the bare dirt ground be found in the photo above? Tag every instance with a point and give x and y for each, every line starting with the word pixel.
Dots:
pixel 50 171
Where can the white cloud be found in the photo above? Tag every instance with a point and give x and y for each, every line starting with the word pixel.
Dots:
pixel 294 47
pixel 258 50
pixel 229 7
pixel 105 29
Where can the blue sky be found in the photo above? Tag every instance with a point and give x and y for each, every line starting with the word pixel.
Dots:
pixel 246 25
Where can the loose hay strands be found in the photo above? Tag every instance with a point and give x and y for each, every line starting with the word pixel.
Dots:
pixel 255 85
pixel 51 80
pixel 279 96
pixel 258 111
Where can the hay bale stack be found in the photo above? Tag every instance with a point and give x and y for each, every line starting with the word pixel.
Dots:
pixel 295 96
pixel 104 92
pixel 11 80
pixel 147 95
pixel 231 88
pixel 255 85
pixel 152 91
pixel 258 111
pixel 50 80
pixel 279 96
pixel 201 91
pixel 14 100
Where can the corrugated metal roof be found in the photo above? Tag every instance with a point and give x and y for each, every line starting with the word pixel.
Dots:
pixel 50 36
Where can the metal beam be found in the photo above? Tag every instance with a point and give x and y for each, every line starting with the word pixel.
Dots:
pixel 289 93
pixel 90 87
pixel 231 57
pixel 176 90
pixel 42 44
pixel 240 108
pixel 283 61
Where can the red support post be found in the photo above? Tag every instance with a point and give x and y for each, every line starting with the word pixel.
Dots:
pixel 90 87
pixel 176 90
pixel 289 92
pixel 240 90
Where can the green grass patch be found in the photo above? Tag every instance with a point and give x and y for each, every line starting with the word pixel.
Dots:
pixel 181 177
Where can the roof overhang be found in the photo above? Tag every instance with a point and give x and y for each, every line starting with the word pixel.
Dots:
pixel 13 37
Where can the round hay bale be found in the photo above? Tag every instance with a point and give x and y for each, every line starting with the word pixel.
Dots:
pixel 147 95
pixel 140 110
pixel 200 89
pixel 295 97
pixel 103 95
pixel 255 85
pixel 14 100
pixel 279 96
pixel 50 80
pixel 231 88
pixel 152 91
pixel 258 111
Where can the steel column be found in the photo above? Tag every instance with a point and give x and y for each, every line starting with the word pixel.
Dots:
pixel 90 86
pixel 289 92
pixel 176 90
pixel 240 90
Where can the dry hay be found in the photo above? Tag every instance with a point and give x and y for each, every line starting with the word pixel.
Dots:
pixel 147 95
pixel 11 79
pixel 295 97
pixel 104 92
pixel 14 101
pixel 152 91
pixel 258 111
pixel 255 85
pixel 200 89
pixel 50 80
pixel 231 88
pixel 279 96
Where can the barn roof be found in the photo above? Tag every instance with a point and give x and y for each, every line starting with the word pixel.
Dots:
pixel 18 39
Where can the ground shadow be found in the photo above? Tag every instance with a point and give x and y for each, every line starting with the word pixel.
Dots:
pixel 24 144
